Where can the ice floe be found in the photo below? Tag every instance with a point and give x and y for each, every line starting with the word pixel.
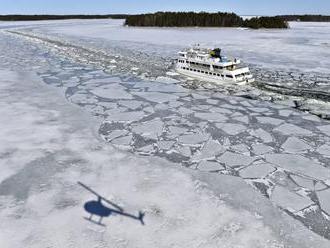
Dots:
pixel 299 164
pixel 291 129
pixel 112 91
pixel 259 170
pixel 295 145
pixel 289 200
pixel 235 160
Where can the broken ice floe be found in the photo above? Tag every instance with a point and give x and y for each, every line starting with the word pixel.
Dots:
pixel 262 143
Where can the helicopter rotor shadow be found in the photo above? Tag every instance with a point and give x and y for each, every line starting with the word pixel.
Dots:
pixel 98 208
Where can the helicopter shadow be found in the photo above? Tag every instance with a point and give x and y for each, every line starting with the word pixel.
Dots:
pixel 103 208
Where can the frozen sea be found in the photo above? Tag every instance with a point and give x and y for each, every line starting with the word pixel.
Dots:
pixel 97 102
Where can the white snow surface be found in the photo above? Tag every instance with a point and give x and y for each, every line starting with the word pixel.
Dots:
pixel 47 145
pixel 280 48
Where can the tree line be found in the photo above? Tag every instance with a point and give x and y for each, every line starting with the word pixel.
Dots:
pixel 202 19
pixel 57 17
pixel 184 19
pixel 265 22
pixel 305 18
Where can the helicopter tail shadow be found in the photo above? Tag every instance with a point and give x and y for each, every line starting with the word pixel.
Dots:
pixel 141 216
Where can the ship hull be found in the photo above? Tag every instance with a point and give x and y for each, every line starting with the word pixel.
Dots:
pixel 213 79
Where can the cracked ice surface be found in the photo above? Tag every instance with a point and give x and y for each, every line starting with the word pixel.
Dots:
pixel 268 145
pixel 53 145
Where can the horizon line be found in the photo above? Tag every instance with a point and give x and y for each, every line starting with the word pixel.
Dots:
pixel 105 14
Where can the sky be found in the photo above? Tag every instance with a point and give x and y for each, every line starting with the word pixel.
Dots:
pixel 242 7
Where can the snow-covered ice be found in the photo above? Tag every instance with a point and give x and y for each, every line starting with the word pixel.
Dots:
pixel 256 171
pixel 112 92
pixel 42 204
pixel 291 129
pixel 235 160
pixel 324 198
pixel 300 165
pixel 295 145
pixel 228 143
pixel 289 200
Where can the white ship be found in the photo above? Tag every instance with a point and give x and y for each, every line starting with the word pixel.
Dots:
pixel 210 65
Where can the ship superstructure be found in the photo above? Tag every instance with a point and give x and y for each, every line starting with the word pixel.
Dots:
pixel 209 65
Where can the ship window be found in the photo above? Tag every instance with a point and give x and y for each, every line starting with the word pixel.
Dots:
pixel 229 76
pixel 194 69
pixel 218 75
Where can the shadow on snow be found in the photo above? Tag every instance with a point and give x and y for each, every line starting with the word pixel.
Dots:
pixel 98 208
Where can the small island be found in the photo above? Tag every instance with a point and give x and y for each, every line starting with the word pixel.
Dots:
pixel 202 19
